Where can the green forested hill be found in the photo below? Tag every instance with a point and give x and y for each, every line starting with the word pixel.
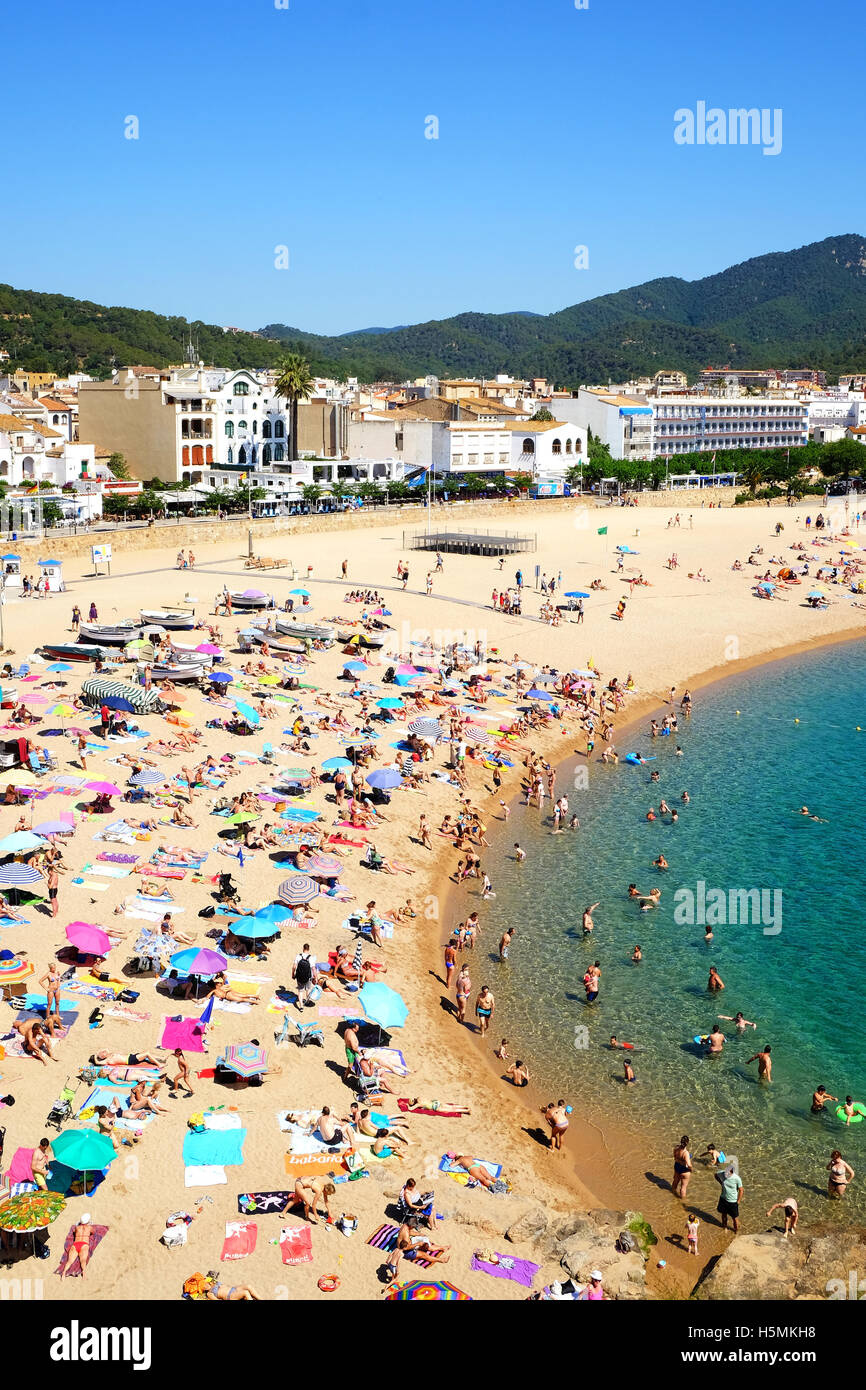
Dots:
pixel 805 307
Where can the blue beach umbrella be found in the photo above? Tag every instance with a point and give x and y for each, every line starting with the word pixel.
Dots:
pixel 117 702
pixel 536 694
pixel 354 666
pixel 335 764
pixel 627 550
pixel 246 712
pixel 195 960
pixel 577 593
pixel 272 915
pixel 58 666
pixel 384 778
pixel 305 593
pixel 253 929
pixel 220 677
pixel 390 702
pixel 383 1005
pixel 19 841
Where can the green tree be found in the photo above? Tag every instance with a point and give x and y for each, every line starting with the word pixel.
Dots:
pixel 398 490
pixel 474 485
pixel 523 481
pixel 118 467
pixel 294 384
pixel 311 492
pixel 51 513
pixel 543 414
pixel 843 459
pixel 370 491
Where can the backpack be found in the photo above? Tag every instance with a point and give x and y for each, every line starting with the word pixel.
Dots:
pixel 626 1243
pixel 303 972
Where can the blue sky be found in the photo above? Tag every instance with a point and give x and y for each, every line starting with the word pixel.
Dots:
pixel 305 127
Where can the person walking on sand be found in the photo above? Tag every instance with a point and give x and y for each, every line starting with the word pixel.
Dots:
pixel 682 1168
pixel 463 989
pixel 344 569
pixel 450 961
pixel 53 883
pixel 557 1121
pixel 182 1078
pixel 424 833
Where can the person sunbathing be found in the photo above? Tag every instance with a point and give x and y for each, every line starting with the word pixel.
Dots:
pixel 409 1246
pixel 474 1169
pixel 179 817
pixel 223 990
pixel 374 1069
pixel 105 1058
pixel 230 1293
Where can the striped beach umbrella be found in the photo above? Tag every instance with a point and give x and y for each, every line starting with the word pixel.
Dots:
pixel 13 969
pixel 473 735
pixel 246 1059
pixel 425 728
pixel 18 876
pixel 427 1291
pixel 298 889
pixel 148 777
pixel 323 865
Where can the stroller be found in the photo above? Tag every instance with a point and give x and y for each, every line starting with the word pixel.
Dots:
pixel 61 1110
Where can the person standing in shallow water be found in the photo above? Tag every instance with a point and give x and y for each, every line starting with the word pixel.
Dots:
pixel 682 1168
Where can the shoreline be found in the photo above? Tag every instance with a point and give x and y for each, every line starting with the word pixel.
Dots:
pixel 589 1177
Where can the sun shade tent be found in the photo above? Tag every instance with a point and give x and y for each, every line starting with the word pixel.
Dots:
pixel 96 690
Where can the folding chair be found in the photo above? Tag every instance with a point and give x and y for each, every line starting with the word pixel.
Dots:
pixel 308 1032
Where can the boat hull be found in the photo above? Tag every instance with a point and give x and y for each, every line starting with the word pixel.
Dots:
pixel 79 653
pixel 118 635
pixel 169 619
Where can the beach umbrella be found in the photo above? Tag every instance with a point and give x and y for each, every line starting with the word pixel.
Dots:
pixel 585 675
pixel 103 788
pixel 431 1291
pixel 576 593
pixel 13 969
pixel 252 928
pixel 34 698
pixel 220 677
pixel 207 1012
pixel 209 649
pixel 89 940
pixel 391 702
pixel 195 960
pixel 544 678
pixel 426 728
pixel 18 876
pixel 59 666
pixel 478 736
pixel 61 711
pixel 272 915
pixel 19 841
pixel 246 1059
pixel 148 777
pixel 322 865
pixel 294 774
pixel 383 1005
pixel 84 1149
pixel 305 593
pixel 384 778
pixel 355 666
pixel 246 712
pixel 298 889
pixel 335 764
pixel 813 593
pixel 536 694
pixel 30 1211
pixel 627 550
pixel 118 703
pixel 54 827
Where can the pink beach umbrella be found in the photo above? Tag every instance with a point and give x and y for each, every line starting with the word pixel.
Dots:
pixel 104 788
pixel 90 940
pixel 209 649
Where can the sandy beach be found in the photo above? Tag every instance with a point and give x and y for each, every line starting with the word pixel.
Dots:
pixel 677 631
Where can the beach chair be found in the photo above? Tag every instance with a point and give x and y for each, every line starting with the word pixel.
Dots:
pixel 367 1086
pixel 49 762
pixel 307 1033
pixel 281 1037
pixel 34 762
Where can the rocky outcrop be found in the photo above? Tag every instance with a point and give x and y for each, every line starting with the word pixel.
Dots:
pixel 811 1265
pixel 581 1242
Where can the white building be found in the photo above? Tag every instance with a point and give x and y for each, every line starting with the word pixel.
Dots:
pixel 831 415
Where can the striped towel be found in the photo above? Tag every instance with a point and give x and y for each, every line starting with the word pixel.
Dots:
pixel 385 1239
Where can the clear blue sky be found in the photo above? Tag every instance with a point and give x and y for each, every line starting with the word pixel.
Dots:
pixel 304 127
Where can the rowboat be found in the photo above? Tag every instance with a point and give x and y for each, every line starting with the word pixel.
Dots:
pixel 66 652
pixel 108 634
pixel 164 672
pixel 313 632
pixel 249 598
pixel 174 619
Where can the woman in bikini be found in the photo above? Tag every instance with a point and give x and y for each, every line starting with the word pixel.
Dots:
pixel 840 1173
pixel 682 1168
pixel 230 1293
pixel 81 1244
pixel 51 983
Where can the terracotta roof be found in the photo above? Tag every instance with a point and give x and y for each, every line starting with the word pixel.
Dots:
pixel 50 403
pixel 14 422
pixel 486 405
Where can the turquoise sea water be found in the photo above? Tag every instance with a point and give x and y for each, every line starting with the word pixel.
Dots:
pixel 746 774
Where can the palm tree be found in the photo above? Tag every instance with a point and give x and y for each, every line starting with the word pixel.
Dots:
pixel 294 384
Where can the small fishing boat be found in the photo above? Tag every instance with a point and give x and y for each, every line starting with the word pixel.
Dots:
pixel 314 632
pixel 108 634
pixel 188 656
pixel 174 619
pixel 67 652
pixel 277 641
pixel 364 639
pixel 165 672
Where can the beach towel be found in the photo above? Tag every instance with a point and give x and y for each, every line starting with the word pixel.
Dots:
pixel 204 1175
pixel 240 1240
pixel 263 1203
pixel 228 1006
pixel 296 1245
pixel 385 1239
pixel 131 1015
pixel 446 1165
pixel 222 1119
pixel 70 1264
pixel 507 1267
pixel 107 870
pixel 214 1148
pixel 388 1056
pixel 406 1105
pixel 187 1033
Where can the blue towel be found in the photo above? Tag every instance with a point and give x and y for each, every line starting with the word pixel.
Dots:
pixel 447 1166
pixel 214 1146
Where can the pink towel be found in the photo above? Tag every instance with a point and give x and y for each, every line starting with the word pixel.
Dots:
pixel 187 1033
pixel 21 1169
pixel 296 1245
pixel 240 1239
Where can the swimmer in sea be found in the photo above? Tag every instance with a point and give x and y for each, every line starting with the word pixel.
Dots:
pixel 637 954
pixel 819 1100
pixel 685 798
pixel 505 942
pixel 741 1023
pixel 765 1063
pixel 586 920
pixel 804 811
pixel 715 982
pixel 708 932
pixel 628 1072
pixel 715 1041
pixel 661 862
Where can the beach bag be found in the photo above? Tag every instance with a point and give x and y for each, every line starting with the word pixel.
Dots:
pixel 96 1018
pixel 207 911
pixel 626 1243
pixel 127 996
